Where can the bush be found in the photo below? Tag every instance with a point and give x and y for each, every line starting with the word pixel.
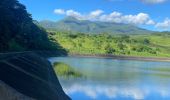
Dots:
pixel 109 49
pixel 146 41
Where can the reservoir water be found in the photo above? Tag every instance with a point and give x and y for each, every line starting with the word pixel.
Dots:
pixel 110 79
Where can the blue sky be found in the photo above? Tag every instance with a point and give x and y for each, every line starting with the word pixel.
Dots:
pixel 150 14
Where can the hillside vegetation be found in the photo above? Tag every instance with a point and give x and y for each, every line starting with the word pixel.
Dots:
pixel 19 33
pixel 151 45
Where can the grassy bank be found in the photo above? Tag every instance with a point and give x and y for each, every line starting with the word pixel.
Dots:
pixel 151 45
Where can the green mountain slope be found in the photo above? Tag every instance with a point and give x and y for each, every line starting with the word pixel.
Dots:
pixel 150 45
pixel 85 26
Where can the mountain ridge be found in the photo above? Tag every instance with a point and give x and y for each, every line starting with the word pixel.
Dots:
pixel 85 26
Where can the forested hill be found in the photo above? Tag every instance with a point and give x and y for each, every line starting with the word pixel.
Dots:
pixel 85 26
pixel 18 32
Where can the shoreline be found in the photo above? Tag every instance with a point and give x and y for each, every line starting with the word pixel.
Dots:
pixel 121 57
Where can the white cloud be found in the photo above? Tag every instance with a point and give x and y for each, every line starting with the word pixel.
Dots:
pixel 93 15
pixel 96 13
pixel 154 1
pixel 73 13
pixel 138 19
pixel 115 14
pixel 165 25
pixel 116 17
pixel 144 1
pixel 150 22
pixel 59 11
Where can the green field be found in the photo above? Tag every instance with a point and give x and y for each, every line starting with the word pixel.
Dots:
pixel 151 45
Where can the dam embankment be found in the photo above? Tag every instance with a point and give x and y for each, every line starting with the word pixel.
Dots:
pixel 28 76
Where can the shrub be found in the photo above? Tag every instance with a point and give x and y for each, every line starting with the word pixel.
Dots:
pixel 65 70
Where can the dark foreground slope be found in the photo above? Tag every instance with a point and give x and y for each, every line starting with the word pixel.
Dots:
pixel 31 75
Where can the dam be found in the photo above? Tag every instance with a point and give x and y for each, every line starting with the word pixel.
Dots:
pixel 28 76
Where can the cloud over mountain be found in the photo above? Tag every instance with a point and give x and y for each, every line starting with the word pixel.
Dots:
pixel 164 25
pixel 59 11
pixel 153 1
pixel 99 15
pixel 117 17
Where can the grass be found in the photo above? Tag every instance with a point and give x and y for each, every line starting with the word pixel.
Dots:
pixel 151 45
pixel 64 70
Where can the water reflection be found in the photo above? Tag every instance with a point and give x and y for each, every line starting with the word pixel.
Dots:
pixel 94 90
pixel 110 92
pixel 117 79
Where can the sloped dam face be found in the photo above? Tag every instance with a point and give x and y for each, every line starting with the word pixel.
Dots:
pixel 28 76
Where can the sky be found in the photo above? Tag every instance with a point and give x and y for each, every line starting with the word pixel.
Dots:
pixel 148 14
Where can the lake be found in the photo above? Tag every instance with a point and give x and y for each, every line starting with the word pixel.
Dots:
pixel 110 79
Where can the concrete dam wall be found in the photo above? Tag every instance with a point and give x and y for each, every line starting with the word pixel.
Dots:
pixel 28 76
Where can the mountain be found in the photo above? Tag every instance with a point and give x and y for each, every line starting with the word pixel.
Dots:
pixel 85 26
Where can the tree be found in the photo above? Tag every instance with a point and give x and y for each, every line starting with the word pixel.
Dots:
pixel 109 49
pixel 121 46
pixel 16 25
pixel 146 41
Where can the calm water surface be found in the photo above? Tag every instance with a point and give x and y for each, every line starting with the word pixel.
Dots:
pixel 109 79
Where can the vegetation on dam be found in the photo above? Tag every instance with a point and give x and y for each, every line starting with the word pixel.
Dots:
pixel 65 70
